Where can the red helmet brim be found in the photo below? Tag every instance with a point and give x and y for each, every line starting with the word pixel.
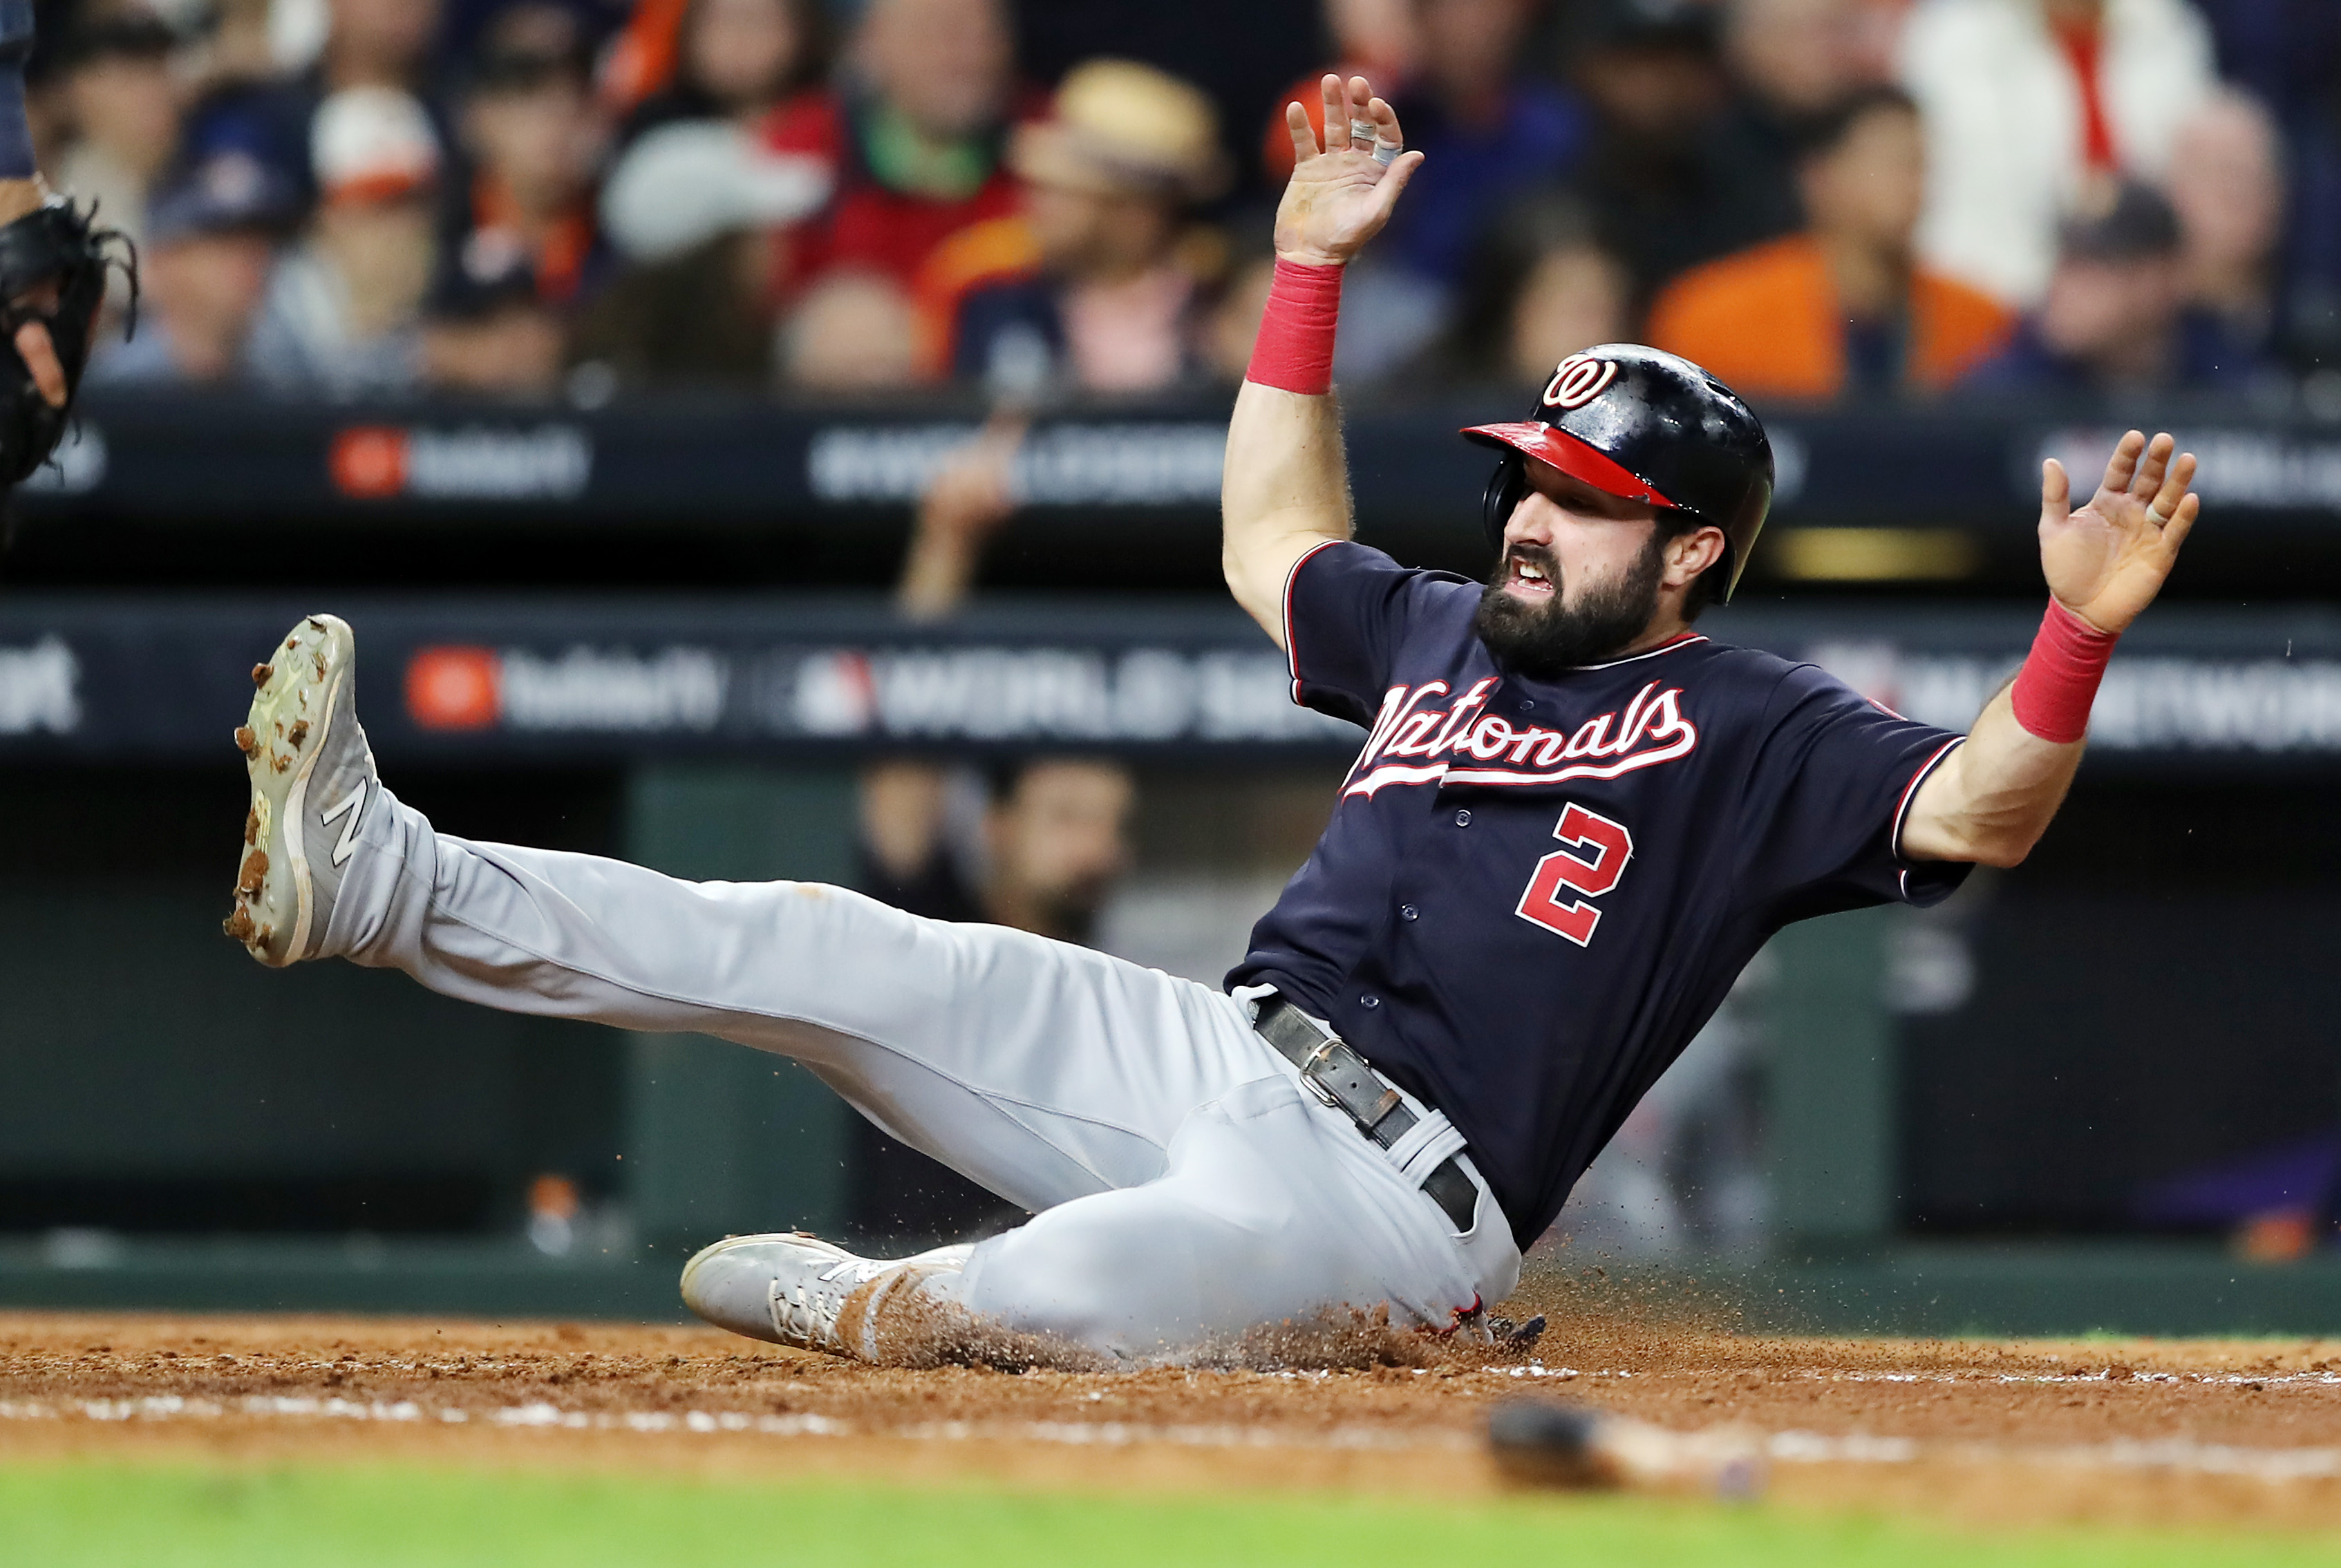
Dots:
pixel 1535 438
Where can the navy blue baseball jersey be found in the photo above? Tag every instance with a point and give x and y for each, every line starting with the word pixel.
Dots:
pixel 1533 893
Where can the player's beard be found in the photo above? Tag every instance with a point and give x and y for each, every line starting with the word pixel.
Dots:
pixel 1541 641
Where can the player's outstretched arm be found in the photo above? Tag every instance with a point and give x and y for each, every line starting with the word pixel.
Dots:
pixel 1285 488
pixel 1993 797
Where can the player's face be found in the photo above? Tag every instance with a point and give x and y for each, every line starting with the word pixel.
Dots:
pixel 1566 538
pixel 1580 577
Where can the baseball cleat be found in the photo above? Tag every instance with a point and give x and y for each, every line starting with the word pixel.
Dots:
pixel 312 779
pixel 789 1287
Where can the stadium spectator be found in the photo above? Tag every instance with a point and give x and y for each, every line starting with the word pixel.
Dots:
pixel 852 331
pixel 493 333
pixel 912 140
pixel 386 44
pixel 695 206
pixel 1376 39
pixel 1842 309
pixel 210 234
pixel 738 60
pixel 2287 53
pixel 1488 125
pixel 379 43
pixel 2027 105
pixel 1542 287
pixel 2116 319
pixel 2226 184
pixel 1086 288
pixel 341 310
pixel 534 143
pixel 1667 181
pixel 1793 62
pixel 114 76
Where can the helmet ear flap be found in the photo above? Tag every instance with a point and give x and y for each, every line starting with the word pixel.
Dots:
pixel 1505 487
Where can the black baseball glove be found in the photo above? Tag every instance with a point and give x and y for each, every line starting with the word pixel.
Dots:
pixel 53 270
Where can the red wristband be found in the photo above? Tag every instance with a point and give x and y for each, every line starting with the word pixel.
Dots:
pixel 1294 350
pixel 2059 679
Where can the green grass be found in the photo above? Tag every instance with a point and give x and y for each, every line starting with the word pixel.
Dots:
pixel 62 1515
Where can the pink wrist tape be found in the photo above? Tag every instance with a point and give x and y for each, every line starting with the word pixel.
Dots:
pixel 1294 350
pixel 2059 679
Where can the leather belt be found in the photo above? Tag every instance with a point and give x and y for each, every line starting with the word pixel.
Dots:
pixel 1333 1070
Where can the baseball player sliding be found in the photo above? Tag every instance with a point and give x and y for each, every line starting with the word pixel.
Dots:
pixel 1573 820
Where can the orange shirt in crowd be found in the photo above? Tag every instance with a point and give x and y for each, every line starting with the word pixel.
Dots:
pixel 1766 322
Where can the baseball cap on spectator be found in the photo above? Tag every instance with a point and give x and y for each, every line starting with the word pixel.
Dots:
pixel 227 192
pixel 373 144
pixel 2129 222
pixel 1118 128
pixel 684 184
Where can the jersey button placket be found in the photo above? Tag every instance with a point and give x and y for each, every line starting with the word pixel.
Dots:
pixel 1463 817
pixel 1408 912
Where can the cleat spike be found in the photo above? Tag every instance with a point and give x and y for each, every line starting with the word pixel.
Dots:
pixel 260 672
pixel 247 741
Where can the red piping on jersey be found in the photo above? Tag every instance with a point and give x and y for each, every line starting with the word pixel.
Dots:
pixel 1573 457
pixel 1910 793
pixel 1292 649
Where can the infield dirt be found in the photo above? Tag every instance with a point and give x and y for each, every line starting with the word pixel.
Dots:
pixel 2132 1430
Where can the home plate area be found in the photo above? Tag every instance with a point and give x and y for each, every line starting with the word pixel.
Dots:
pixel 2131 1431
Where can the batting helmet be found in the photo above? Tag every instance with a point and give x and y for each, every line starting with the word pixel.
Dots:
pixel 1650 427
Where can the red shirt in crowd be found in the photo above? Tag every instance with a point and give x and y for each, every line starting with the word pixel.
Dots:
pixel 866 225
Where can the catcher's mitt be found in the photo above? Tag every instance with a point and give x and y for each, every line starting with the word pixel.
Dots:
pixel 53 270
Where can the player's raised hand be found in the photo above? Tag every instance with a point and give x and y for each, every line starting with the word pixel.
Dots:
pixel 1341 194
pixel 2108 561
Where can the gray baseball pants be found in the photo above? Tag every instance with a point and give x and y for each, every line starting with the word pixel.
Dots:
pixel 1185 1186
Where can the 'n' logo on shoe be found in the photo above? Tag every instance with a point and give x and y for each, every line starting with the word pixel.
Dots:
pixel 354 809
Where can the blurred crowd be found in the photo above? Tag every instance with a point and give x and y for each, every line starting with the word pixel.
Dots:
pixel 1817 199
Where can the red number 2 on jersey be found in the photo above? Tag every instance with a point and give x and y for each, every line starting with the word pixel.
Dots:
pixel 1612 846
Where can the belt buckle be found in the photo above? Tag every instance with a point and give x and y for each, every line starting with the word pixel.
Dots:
pixel 1309 1078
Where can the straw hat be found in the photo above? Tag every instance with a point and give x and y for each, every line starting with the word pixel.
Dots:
pixel 1118 128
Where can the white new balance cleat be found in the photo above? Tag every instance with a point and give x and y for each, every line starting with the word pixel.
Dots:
pixel 313 781
pixel 788 1287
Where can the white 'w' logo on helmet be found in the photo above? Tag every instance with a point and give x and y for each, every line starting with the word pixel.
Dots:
pixel 1579 379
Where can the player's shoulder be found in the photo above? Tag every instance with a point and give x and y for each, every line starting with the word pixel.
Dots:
pixel 1760 684
pixel 1716 659
pixel 1345 566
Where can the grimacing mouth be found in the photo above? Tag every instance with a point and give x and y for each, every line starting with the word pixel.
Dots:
pixel 1529 573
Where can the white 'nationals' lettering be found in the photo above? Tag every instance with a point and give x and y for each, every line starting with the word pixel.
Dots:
pixel 1418 740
